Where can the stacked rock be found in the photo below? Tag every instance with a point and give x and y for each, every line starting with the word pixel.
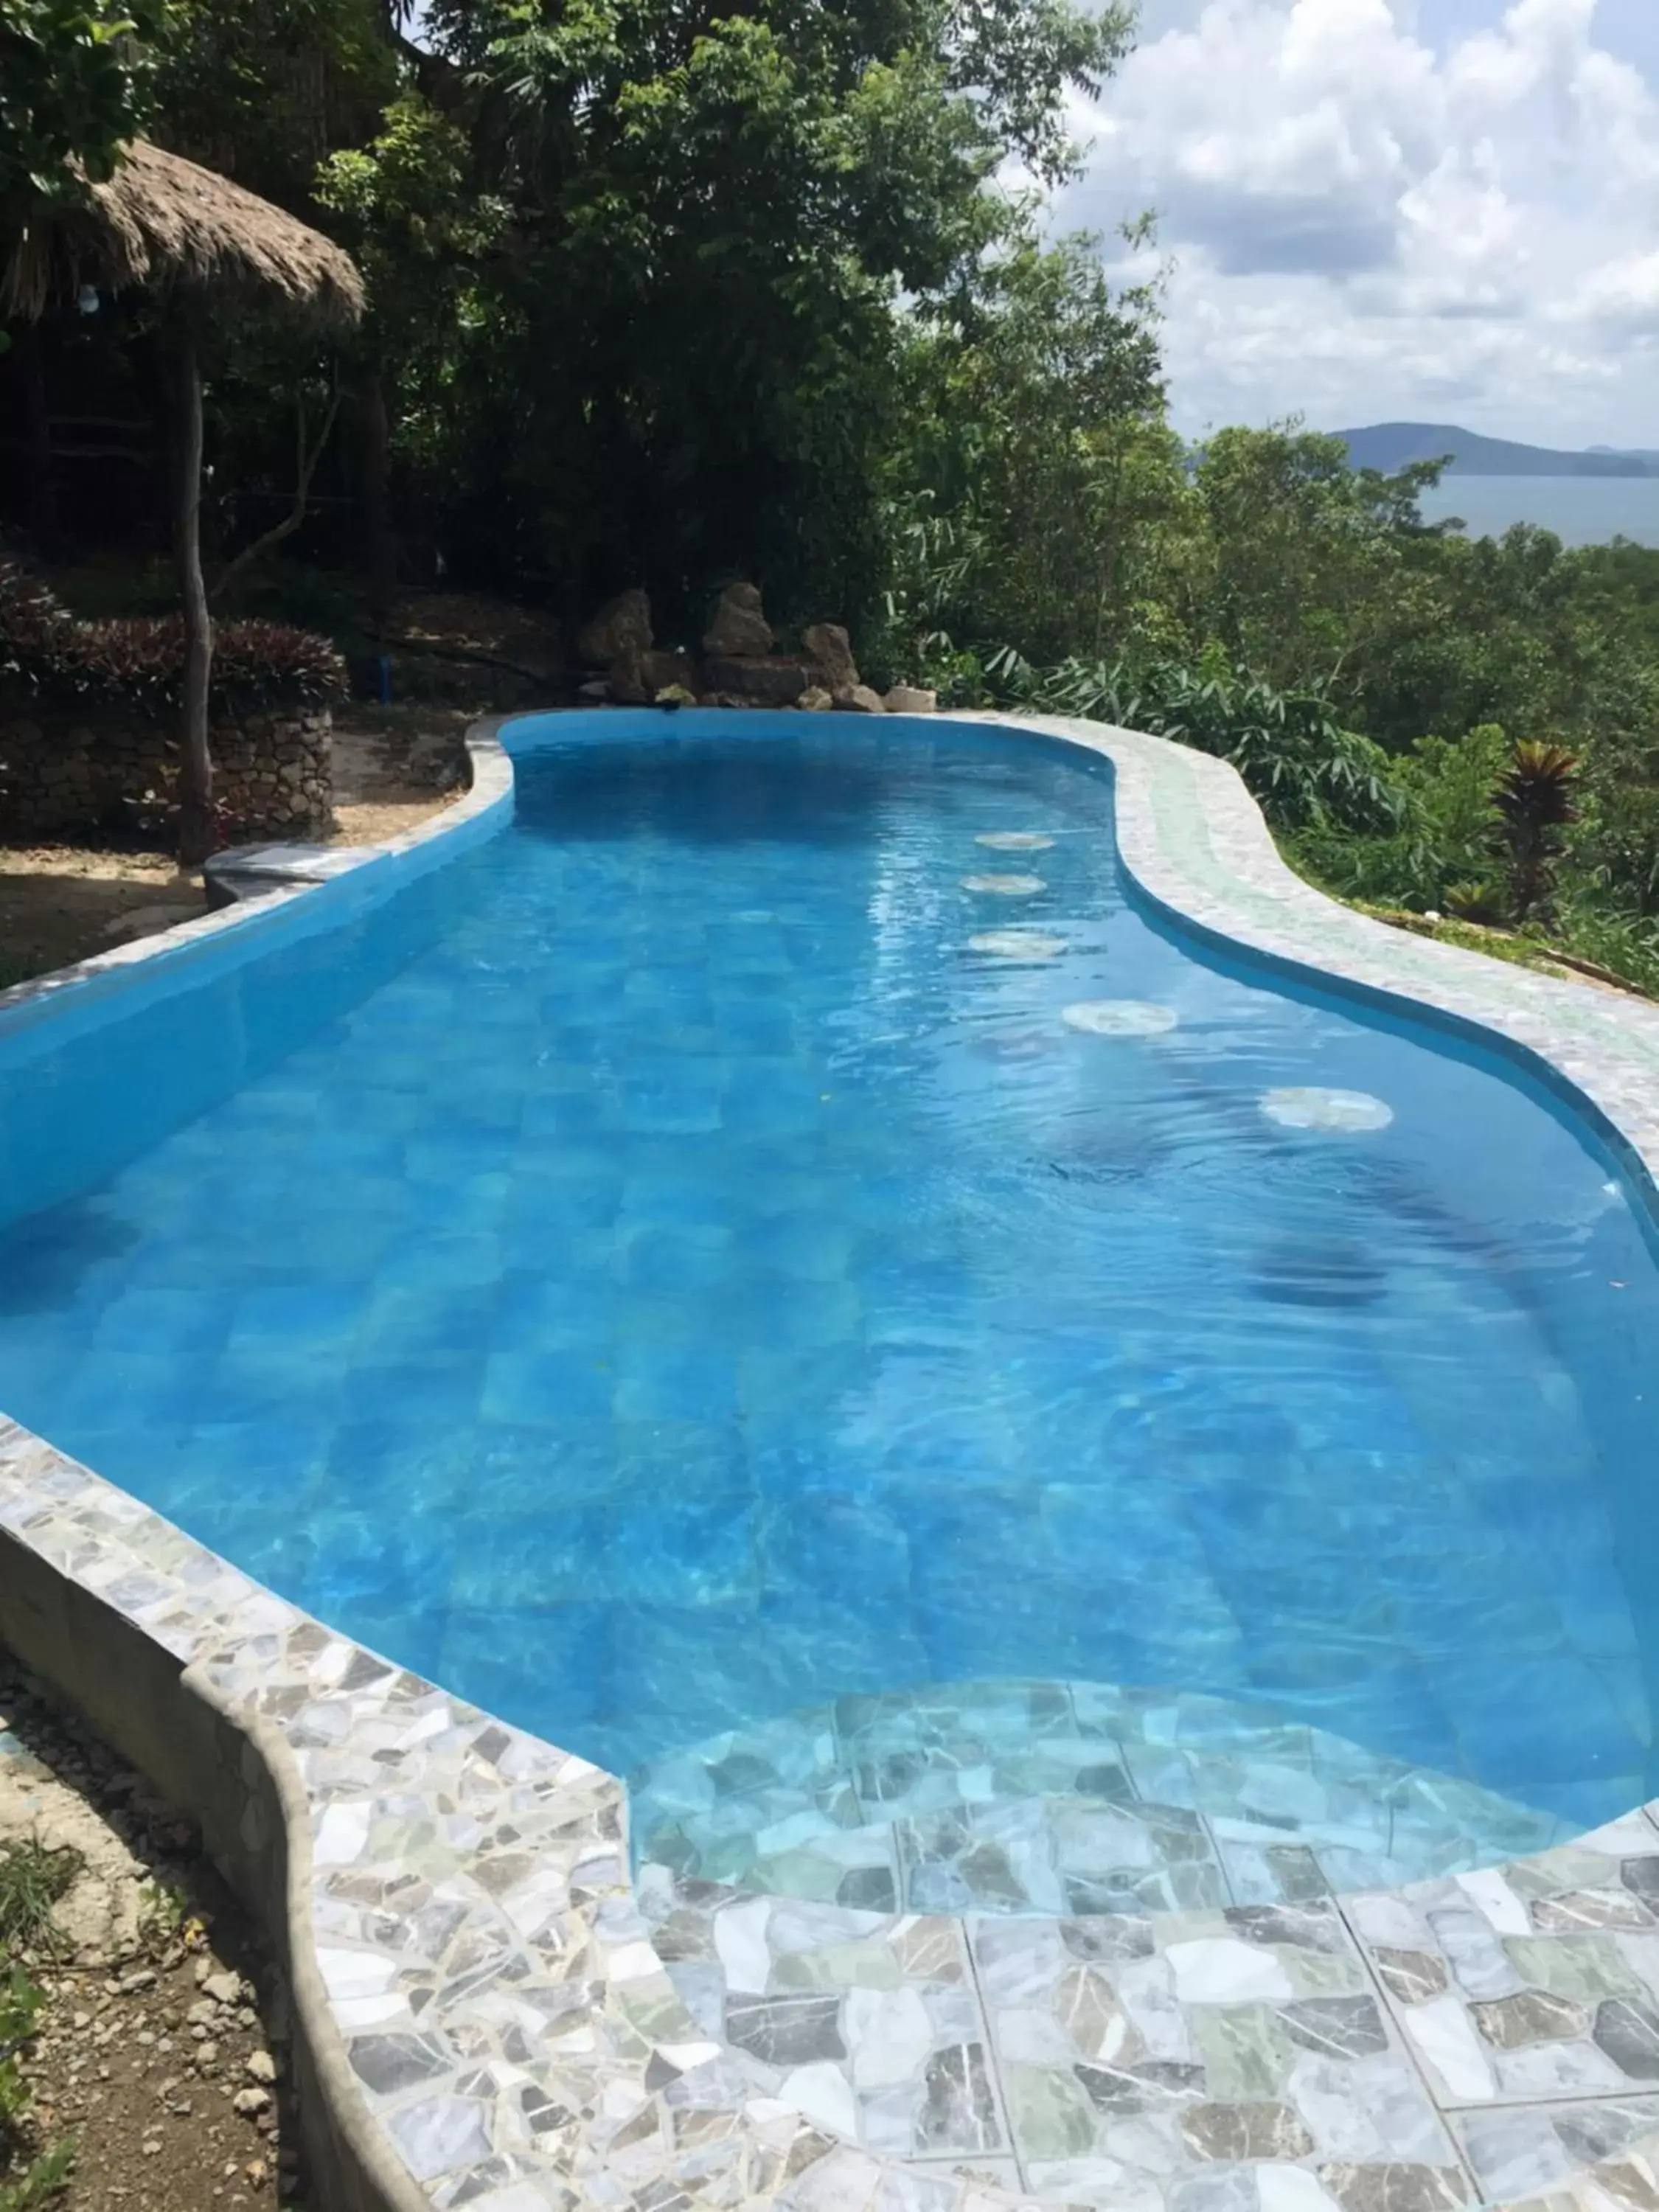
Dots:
pixel 740 665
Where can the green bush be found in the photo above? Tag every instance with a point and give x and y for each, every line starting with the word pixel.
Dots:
pixel 1304 767
pixel 1448 833
pixel 137 662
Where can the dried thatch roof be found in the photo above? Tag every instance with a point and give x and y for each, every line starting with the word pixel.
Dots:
pixel 164 223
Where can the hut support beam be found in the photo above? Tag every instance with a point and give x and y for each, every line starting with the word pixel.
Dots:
pixel 382 542
pixel 37 446
pixel 195 838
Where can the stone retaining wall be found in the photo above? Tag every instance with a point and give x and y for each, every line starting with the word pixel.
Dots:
pixel 63 772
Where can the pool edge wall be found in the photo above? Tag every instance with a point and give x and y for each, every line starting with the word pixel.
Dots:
pixel 235 1775
pixel 321 1774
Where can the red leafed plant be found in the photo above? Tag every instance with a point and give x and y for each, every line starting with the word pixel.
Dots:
pixel 1535 801
pixel 138 661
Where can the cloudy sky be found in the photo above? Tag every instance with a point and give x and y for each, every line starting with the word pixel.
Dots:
pixel 1444 211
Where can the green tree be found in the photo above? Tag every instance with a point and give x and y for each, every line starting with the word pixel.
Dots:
pixel 1298 549
pixel 1034 484
pixel 687 362
pixel 420 233
pixel 263 90
pixel 75 82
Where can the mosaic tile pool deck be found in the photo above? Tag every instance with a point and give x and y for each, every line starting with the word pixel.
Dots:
pixel 526 2025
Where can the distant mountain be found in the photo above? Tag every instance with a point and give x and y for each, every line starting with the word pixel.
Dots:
pixel 1392 445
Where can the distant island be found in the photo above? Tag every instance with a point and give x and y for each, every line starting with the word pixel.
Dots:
pixel 1392 445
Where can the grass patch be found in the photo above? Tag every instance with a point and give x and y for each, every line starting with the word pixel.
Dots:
pixel 32 1881
pixel 45 2178
pixel 1598 948
pixel 45 2174
pixel 1604 948
pixel 1472 936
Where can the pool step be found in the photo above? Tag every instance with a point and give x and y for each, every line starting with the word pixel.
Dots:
pixel 1060 1797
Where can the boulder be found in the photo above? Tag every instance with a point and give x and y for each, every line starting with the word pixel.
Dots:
pixel 594 693
pixel 622 625
pixel 665 670
pixel 629 678
pixel 770 681
pixel 860 699
pixel 816 700
pixel 911 699
pixel 831 650
pixel 738 627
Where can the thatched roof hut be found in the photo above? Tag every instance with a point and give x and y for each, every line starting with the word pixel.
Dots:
pixel 195 242
pixel 162 223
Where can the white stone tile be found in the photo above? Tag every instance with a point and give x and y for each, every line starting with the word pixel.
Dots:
pixel 889 2034
pixel 1441 2032
pixel 823 2093
pixel 1495 1901
pixel 1219 1970
pixel 1291 2189
pixel 342 1834
pixel 740 1942
pixel 355 1974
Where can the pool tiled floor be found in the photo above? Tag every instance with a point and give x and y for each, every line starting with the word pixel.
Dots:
pixel 1060 1797
pixel 1085 1940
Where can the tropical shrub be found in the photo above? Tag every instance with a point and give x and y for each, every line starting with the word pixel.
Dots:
pixel 1298 760
pixel 138 663
pixel 1535 801
pixel 1446 842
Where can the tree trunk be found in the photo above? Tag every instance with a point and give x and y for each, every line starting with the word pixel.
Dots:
pixel 196 828
pixel 44 524
pixel 381 541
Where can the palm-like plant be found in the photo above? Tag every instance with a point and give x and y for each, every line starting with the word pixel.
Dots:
pixel 1535 802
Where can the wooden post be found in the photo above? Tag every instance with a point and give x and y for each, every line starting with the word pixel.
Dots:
pixel 196 825
pixel 381 541
pixel 37 446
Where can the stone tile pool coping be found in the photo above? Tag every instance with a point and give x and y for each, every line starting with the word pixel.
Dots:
pixel 489 2012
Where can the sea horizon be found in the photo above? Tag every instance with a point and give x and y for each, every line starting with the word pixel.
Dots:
pixel 1580 510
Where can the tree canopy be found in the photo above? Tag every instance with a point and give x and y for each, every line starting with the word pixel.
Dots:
pixel 662 295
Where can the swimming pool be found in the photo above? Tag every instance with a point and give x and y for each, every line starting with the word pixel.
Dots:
pixel 678 1262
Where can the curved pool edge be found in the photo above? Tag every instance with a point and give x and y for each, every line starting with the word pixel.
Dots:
pixel 482 2014
pixel 1196 845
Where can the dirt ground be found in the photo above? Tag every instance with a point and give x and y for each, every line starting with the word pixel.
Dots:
pixel 161 2055
pixel 393 767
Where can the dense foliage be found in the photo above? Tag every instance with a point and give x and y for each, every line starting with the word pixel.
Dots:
pixel 663 296
pixel 75 81
pixel 137 662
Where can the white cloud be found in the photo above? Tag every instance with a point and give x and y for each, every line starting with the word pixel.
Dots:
pixel 1620 296
pixel 1380 208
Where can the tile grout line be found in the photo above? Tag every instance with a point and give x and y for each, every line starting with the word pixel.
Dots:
pixel 1221 1866
pixel 1409 2048
pixel 1574 2098
pixel 992 2056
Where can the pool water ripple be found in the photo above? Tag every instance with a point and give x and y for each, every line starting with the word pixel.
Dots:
pixel 649 1278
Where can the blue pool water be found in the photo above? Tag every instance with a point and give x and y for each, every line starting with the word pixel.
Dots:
pixel 650 1273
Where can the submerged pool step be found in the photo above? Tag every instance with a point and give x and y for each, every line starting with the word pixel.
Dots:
pixel 1072 1798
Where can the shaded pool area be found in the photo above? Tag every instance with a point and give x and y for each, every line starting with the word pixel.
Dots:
pixel 781 1223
